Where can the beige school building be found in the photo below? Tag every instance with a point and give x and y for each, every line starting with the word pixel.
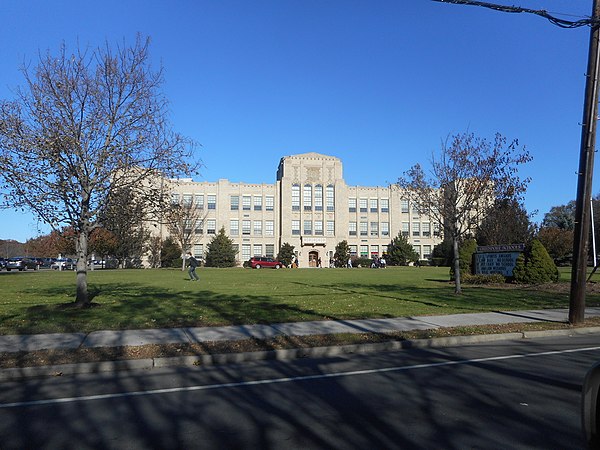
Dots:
pixel 311 207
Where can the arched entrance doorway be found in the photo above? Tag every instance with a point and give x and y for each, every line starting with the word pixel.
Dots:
pixel 313 257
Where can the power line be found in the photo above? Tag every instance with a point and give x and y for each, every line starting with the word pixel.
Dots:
pixel 518 9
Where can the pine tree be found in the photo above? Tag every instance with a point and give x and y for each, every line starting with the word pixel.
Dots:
pixel 400 252
pixel 535 265
pixel 286 254
pixel 342 254
pixel 220 251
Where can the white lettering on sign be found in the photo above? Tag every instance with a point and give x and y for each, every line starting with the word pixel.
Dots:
pixel 503 263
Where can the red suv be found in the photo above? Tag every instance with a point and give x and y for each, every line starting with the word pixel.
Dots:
pixel 260 262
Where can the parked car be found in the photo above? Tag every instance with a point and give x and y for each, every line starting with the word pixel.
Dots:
pixel 20 263
pixel 63 264
pixel 260 262
pixel 47 262
pixel 2 263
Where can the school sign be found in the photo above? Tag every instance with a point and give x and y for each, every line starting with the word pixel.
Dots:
pixel 497 259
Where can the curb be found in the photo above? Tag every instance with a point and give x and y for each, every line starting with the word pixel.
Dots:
pixel 20 373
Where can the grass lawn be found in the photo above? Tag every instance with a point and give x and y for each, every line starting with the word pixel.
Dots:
pixel 40 302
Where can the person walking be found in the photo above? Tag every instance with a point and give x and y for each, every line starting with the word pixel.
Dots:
pixel 192 264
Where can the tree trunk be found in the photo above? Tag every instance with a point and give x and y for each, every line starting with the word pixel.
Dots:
pixel 457 288
pixel 82 299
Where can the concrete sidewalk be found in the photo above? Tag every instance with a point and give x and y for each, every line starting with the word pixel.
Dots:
pixel 118 338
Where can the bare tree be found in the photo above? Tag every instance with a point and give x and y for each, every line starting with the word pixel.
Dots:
pixel 184 220
pixel 466 179
pixel 85 124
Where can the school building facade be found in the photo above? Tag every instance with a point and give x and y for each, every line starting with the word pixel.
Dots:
pixel 311 207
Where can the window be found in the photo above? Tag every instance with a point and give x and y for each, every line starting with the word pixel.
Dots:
pixel 295 197
pixel 352 205
pixel 436 229
pixel 246 202
pixel 330 227
pixel 405 229
pixel 352 229
pixel 352 249
pixel 307 227
pixel 364 228
pixel 270 250
pixel 236 248
pixel 199 201
pixel 258 228
pixel 234 227
pixel 417 248
pixel 198 251
pixel 234 201
pixel 307 198
pixel 374 250
pixel 385 228
pixel 318 197
pixel 330 198
pixel 187 226
pixel 404 206
pixel 362 203
pixel 257 250
pixel 245 252
pixel 385 205
pixel 318 228
pixel 199 226
pixel 187 200
pixel 426 230
pixel 373 205
pixel 364 251
pixel 415 209
pixel 375 229
pixel 246 227
pixel 269 228
pixel 427 251
pixel 257 203
pixel 174 198
pixel 211 200
pixel 211 226
pixel 269 203
pixel 416 229
pixel 295 227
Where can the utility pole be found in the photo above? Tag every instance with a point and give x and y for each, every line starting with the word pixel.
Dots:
pixel 585 173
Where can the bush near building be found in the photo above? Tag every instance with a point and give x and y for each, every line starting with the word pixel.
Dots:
pixel 466 251
pixel 535 266
pixel 221 252
pixel 286 254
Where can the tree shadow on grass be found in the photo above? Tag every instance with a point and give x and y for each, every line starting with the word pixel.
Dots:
pixel 137 306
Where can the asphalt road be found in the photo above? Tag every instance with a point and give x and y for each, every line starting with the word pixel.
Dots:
pixel 517 395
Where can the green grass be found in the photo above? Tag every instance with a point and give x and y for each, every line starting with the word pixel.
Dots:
pixel 40 302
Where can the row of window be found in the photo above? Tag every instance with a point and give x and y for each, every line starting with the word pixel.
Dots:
pixel 370 251
pixel 252 202
pixel 376 229
pixel 312 198
pixel 249 202
pixel 369 205
pixel 268 250
pixel 420 229
pixel 248 250
pixel 313 227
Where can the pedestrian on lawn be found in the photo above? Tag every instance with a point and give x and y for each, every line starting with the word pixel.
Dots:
pixel 192 264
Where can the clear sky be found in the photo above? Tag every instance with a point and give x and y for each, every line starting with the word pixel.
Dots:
pixel 376 83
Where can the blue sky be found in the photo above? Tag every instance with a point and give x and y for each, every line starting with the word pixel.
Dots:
pixel 378 84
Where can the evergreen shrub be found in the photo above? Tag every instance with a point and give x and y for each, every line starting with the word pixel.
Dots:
pixel 466 251
pixel 535 266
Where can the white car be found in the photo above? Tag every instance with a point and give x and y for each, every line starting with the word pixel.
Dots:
pixel 63 264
